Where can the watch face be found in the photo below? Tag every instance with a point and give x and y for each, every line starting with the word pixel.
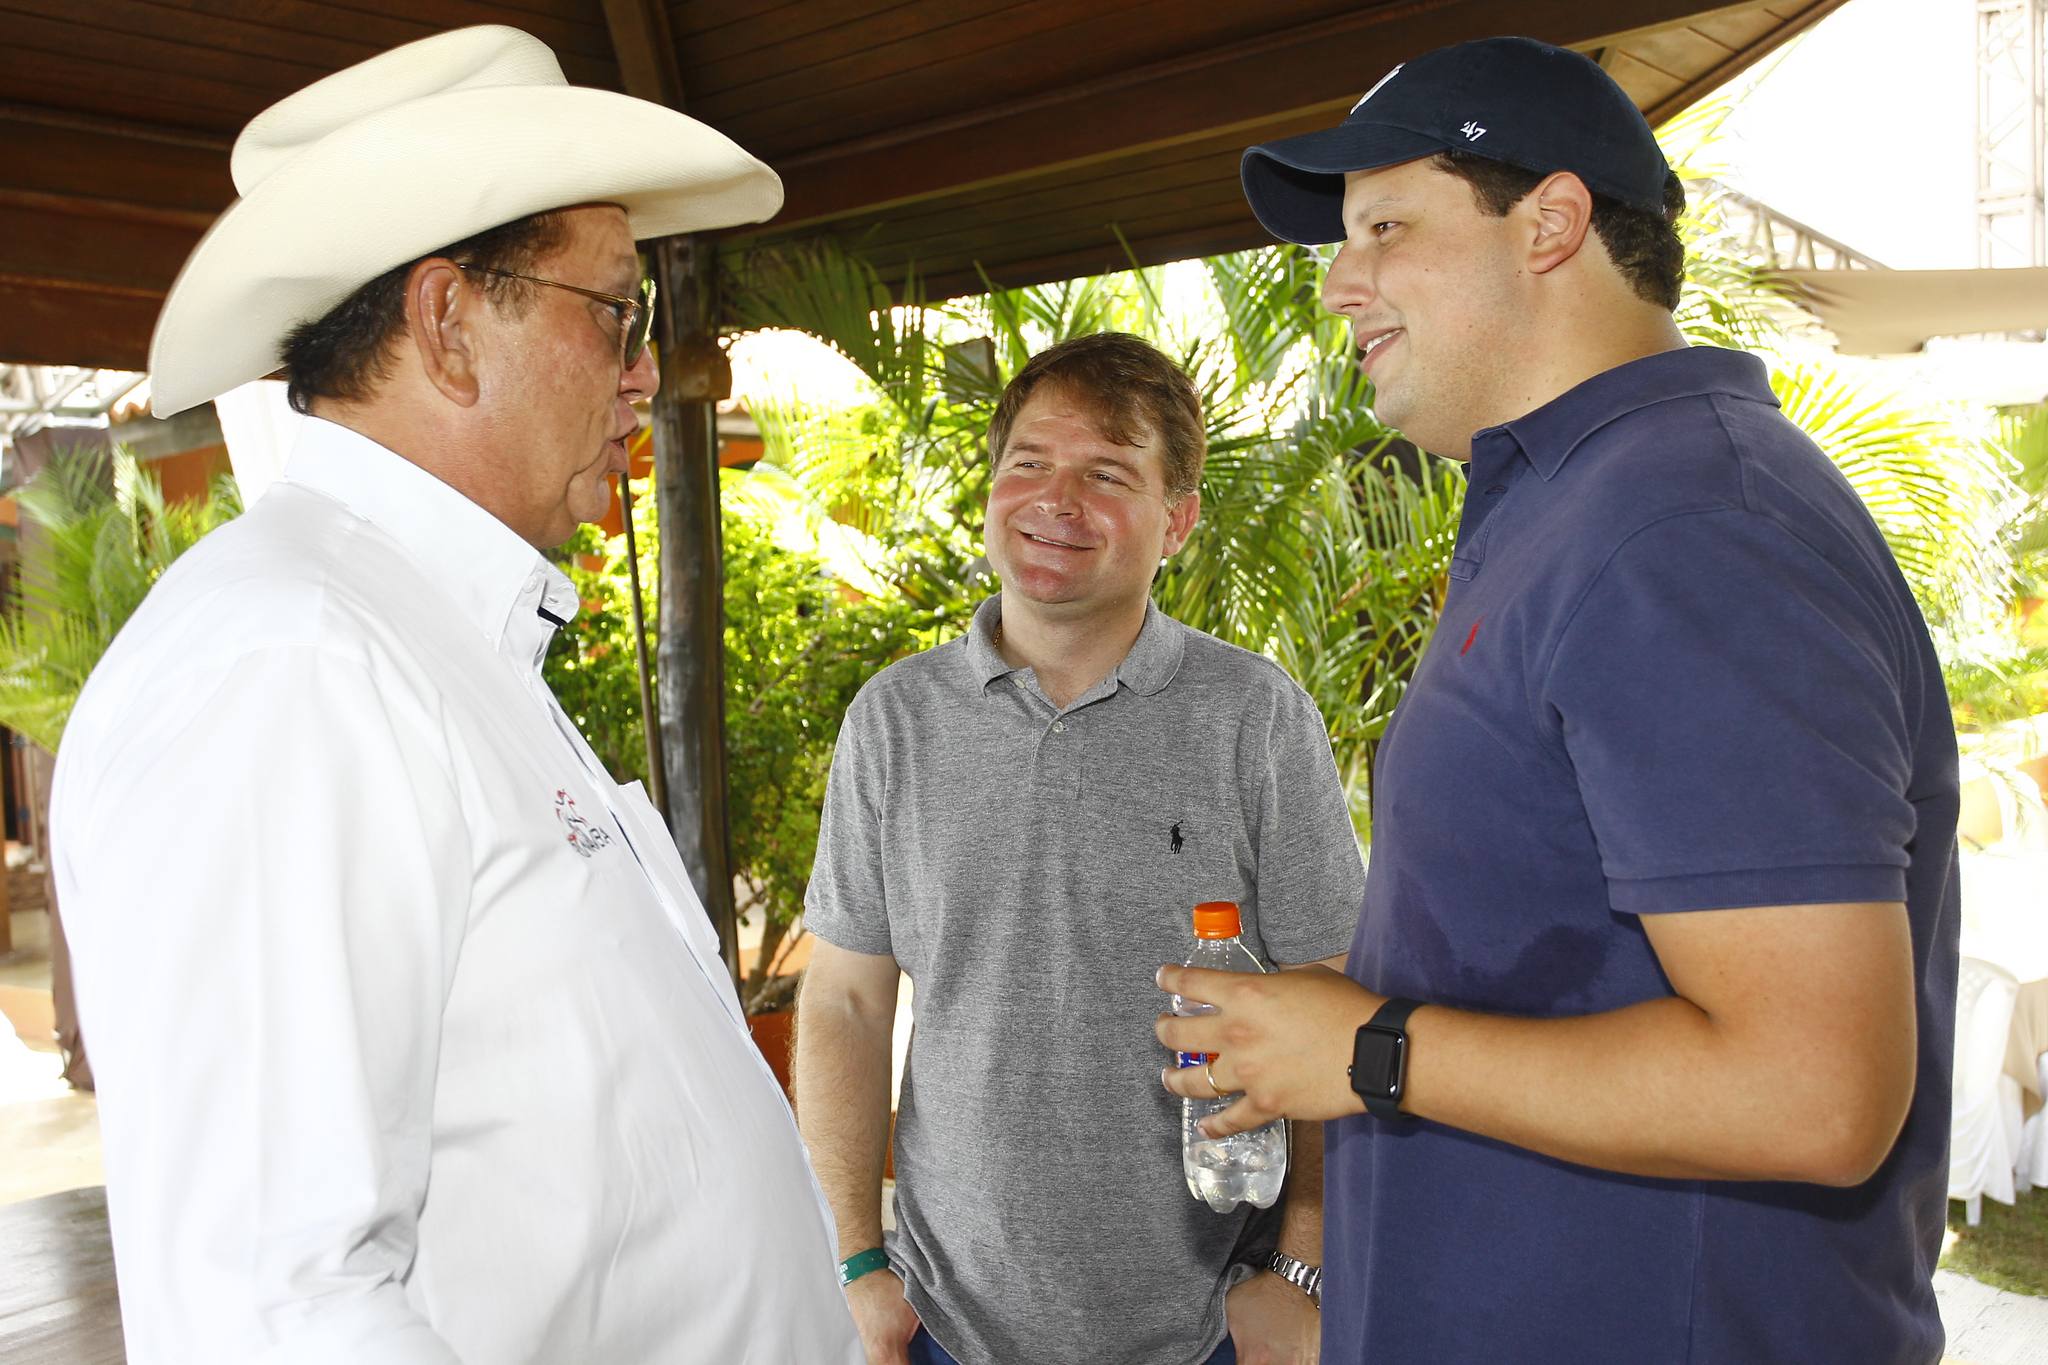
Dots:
pixel 1376 1062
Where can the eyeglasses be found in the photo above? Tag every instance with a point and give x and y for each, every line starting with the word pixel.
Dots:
pixel 635 316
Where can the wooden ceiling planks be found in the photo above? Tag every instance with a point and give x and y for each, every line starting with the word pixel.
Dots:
pixel 1695 46
pixel 1016 137
pixel 1293 77
pixel 853 54
pixel 1666 70
pixel 239 39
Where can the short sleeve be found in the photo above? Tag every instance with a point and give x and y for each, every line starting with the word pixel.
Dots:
pixel 847 903
pixel 1311 877
pixel 1730 702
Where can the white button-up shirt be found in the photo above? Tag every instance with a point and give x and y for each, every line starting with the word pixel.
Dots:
pixel 413 1041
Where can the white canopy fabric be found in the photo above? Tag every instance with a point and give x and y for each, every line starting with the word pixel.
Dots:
pixel 1886 312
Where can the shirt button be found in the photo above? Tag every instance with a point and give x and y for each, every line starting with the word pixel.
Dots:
pixel 1018 681
pixel 1060 726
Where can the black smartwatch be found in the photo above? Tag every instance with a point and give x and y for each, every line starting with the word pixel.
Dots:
pixel 1379 1059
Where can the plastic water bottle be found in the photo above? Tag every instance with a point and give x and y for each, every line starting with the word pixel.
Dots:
pixel 1245 1167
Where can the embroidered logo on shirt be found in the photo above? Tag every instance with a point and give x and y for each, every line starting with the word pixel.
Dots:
pixel 1176 838
pixel 1470 636
pixel 584 837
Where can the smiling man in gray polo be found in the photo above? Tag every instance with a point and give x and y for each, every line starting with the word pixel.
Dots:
pixel 1021 820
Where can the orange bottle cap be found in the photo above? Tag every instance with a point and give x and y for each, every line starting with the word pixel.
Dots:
pixel 1217 919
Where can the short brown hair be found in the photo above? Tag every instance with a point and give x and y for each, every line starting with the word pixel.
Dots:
pixel 1644 246
pixel 1131 385
pixel 342 355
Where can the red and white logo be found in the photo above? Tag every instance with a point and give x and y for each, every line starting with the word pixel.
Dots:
pixel 583 836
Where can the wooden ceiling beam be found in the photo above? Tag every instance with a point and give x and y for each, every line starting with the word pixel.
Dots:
pixel 1704 84
pixel 1319 68
pixel 49 241
pixel 42 324
pixel 646 50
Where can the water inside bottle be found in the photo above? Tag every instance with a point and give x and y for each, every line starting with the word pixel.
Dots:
pixel 1243 1168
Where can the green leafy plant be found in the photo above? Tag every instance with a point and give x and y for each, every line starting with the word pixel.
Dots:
pixel 592 669
pixel 798 646
pixel 106 536
pixel 1292 521
pixel 1325 540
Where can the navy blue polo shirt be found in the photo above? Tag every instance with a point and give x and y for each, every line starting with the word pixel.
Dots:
pixel 1677 669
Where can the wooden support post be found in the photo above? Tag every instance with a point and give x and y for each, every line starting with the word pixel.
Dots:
pixel 691 652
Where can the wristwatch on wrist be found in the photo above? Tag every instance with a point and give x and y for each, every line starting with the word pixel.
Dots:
pixel 1303 1276
pixel 1379 1059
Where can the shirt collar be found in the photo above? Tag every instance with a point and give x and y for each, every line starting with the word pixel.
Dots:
pixel 1548 436
pixel 1153 659
pixel 500 582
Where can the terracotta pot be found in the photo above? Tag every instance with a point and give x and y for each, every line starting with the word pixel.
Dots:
pixel 774 1032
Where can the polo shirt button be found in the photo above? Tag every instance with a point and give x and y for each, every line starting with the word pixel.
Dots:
pixel 1060 726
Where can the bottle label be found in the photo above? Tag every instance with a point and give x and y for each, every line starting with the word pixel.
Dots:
pixel 1184 1060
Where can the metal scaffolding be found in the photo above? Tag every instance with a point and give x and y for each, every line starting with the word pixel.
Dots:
pixel 2010 133
pixel 1778 240
pixel 37 396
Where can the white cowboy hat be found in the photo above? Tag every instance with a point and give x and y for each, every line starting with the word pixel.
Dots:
pixel 405 153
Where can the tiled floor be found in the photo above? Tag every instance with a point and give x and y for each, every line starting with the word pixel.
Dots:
pixel 1988 1326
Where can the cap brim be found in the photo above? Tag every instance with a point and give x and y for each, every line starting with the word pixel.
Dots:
pixel 415 178
pixel 1296 185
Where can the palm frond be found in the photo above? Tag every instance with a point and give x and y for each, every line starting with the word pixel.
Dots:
pixel 820 287
pixel 107 536
pixel 1939 494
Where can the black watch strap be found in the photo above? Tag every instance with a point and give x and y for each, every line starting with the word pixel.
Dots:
pixel 1379 1059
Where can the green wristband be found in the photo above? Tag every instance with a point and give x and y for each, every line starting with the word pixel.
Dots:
pixel 861 1262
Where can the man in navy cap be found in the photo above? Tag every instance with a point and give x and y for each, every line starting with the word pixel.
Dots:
pixel 1642 1050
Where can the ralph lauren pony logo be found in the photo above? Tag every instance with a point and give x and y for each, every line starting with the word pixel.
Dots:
pixel 1174 837
pixel 584 837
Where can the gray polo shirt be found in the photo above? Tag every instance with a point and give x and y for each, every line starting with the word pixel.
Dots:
pixel 1030 867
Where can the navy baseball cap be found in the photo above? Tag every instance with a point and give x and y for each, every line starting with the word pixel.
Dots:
pixel 1515 100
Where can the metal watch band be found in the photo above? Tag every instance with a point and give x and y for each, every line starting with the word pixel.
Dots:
pixel 1303 1276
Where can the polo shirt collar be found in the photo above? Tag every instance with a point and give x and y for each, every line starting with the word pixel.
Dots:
pixel 500 583
pixel 1548 436
pixel 1153 659
pixel 1155 655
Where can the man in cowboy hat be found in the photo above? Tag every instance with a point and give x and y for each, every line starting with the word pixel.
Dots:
pixel 1643 1049
pixel 414 1044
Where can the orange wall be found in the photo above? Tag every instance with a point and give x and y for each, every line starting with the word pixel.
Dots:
pixel 187 475
pixel 730 452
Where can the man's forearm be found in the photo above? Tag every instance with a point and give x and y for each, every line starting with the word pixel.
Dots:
pixel 1786 1053
pixel 1654 1089
pixel 841 1080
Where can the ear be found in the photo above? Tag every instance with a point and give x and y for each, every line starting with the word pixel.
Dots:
pixel 1180 523
pixel 1561 213
pixel 442 317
